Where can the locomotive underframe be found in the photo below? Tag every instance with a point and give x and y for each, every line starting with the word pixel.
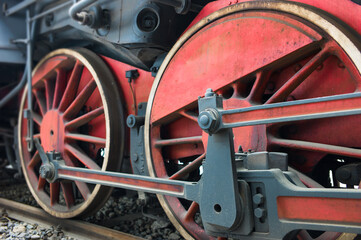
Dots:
pixel 239 192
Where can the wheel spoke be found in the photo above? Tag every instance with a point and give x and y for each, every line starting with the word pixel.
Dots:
pixel 67 188
pixel 60 84
pixel 316 147
pixel 40 99
pixel 80 100
pixel 34 161
pixel 259 86
pixel 37 118
pixel 49 93
pixel 54 193
pixel 190 115
pixel 82 157
pixel 86 138
pixel 37 135
pixel 41 183
pixel 84 119
pixel 191 212
pixel 82 187
pixel 48 68
pixel 189 168
pixel 300 76
pixel 72 86
pixel 178 141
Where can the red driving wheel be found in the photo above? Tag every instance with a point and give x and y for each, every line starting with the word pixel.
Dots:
pixel 77 112
pixel 252 53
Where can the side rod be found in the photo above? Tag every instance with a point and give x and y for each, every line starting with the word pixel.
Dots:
pixel 54 168
pixel 214 119
pixel 180 189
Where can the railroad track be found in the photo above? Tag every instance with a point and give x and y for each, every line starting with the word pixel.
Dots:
pixel 73 228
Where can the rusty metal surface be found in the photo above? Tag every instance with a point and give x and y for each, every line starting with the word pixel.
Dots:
pixel 73 228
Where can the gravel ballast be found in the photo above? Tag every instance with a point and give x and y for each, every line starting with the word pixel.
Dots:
pixel 122 213
pixel 13 229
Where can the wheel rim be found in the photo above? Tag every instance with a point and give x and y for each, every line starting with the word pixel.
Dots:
pixel 332 46
pixel 75 104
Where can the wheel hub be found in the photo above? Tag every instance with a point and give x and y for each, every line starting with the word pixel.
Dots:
pixel 52 132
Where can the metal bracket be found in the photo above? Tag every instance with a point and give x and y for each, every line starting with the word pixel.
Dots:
pixel 131 75
pixel 272 190
pixel 137 153
pixel 29 59
pixel 219 212
pixel 286 206
pixel 47 169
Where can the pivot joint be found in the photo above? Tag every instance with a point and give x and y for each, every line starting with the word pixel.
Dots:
pixel 209 118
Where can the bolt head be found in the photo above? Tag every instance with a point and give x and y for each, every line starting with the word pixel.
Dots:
pixel 204 120
pixel 259 212
pixel 258 199
pixel 209 93
pixel 46 171
pixel 131 121
pixel 207 120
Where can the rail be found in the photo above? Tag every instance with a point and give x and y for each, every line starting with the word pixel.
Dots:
pixel 73 228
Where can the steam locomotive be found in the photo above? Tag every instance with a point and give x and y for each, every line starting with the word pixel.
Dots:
pixel 243 113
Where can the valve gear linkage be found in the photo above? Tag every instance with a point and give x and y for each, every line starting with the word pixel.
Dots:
pixel 248 195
